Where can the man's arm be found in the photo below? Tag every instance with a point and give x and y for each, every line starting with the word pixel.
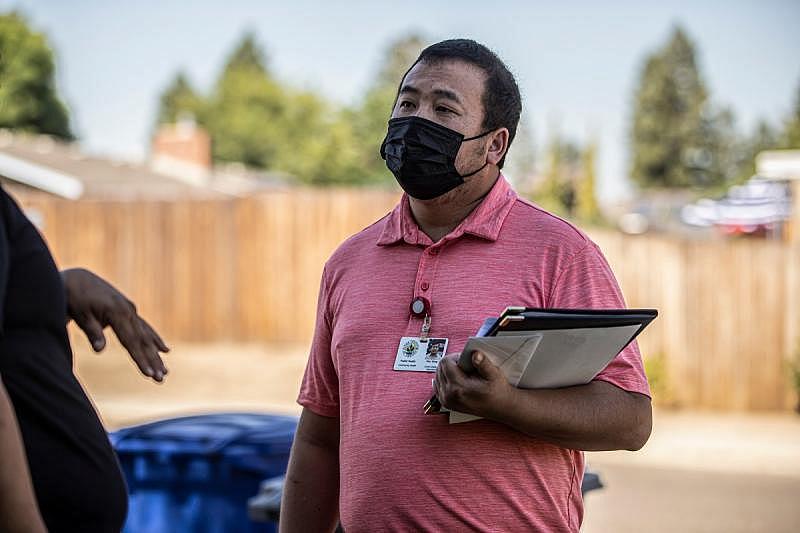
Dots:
pixel 18 509
pixel 311 491
pixel 597 416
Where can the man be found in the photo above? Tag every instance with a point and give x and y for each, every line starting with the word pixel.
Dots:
pixel 57 468
pixel 461 246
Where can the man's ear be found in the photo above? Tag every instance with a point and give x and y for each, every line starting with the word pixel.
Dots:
pixel 498 146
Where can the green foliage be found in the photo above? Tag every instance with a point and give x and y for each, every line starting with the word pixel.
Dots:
pixel 397 59
pixel 179 99
pixel 369 118
pixel 247 112
pixel 586 208
pixel 556 192
pixel 678 139
pixel 247 57
pixel 255 119
pixel 763 137
pixel 29 100
pixel 568 188
pixel 794 367
pixel 791 135
pixel 655 367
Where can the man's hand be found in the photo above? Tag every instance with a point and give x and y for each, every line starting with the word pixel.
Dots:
pixel 94 304
pixel 482 394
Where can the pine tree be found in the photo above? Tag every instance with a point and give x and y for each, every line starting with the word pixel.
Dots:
pixel 671 123
pixel 179 99
pixel 247 110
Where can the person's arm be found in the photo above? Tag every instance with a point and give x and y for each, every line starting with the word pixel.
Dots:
pixel 19 512
pixel 597 416
pixel 93 304
pixel 311 491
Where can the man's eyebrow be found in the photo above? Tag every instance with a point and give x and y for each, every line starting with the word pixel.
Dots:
pixel 408 89
pixel 450 95
pixel 444 93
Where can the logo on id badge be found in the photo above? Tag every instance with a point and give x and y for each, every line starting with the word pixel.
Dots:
pixel 417 355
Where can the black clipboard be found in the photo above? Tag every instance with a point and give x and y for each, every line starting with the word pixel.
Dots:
pixel 538 319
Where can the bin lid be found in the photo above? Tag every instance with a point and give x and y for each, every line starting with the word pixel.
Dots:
pixel 221 433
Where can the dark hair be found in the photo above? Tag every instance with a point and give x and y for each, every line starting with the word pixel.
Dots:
pixel 502 104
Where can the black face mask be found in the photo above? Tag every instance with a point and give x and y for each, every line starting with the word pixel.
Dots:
pixel 422 156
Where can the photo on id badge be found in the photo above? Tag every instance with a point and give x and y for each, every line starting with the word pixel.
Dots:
pixel 417 355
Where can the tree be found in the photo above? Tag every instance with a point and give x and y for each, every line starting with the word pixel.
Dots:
pixel 247 110
pixel 557 192
pixel 248 56
pixel 675 142
pixel 722 153
pixel 369 118
pixel 397 59
pixel 320 143
pixel 178 99
pixel 256 120
pixel 28 93
pixel 763 137
pixel 791 134
pixel 586 208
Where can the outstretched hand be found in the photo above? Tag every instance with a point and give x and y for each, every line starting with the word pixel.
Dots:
pixel 94 304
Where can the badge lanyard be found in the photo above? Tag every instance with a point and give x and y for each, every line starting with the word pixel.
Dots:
pixel 421 308
pixel 420 354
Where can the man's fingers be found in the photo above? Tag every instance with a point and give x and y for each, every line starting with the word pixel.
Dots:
pixel 441 376
pixel 93 330
pixel 484 366
pixel 131 340
pixel 156 363
pixel 159 342
pixel 148 345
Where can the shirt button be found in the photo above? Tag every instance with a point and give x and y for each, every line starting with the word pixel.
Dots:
pixel 435 251
pixel 425 286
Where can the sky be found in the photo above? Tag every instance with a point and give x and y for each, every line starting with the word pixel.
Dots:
pixel 577 62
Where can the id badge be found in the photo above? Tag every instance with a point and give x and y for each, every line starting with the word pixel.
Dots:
pixel 417 355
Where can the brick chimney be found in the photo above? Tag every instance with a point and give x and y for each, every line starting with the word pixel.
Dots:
pixel 183 151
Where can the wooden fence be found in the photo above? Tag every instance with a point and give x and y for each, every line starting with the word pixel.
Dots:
pixel 248 269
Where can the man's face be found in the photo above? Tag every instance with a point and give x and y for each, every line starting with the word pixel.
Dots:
pixel 449 93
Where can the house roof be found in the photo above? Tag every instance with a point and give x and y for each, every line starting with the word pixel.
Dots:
pixel 42 163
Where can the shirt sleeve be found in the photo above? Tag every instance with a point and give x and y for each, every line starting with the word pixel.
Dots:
pixel 587 282
pixel 319 390
pixel 4 259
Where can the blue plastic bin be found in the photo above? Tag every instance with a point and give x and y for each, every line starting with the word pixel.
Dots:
pixel 195 474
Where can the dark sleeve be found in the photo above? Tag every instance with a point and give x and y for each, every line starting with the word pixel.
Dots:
pixel 4 257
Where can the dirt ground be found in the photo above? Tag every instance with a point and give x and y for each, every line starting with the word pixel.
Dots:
pixel 202 378
pixel 700 472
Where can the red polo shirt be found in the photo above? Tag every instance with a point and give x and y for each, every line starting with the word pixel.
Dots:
pixel 400 469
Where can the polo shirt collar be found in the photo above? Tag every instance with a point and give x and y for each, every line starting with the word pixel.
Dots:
pixel 484 222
